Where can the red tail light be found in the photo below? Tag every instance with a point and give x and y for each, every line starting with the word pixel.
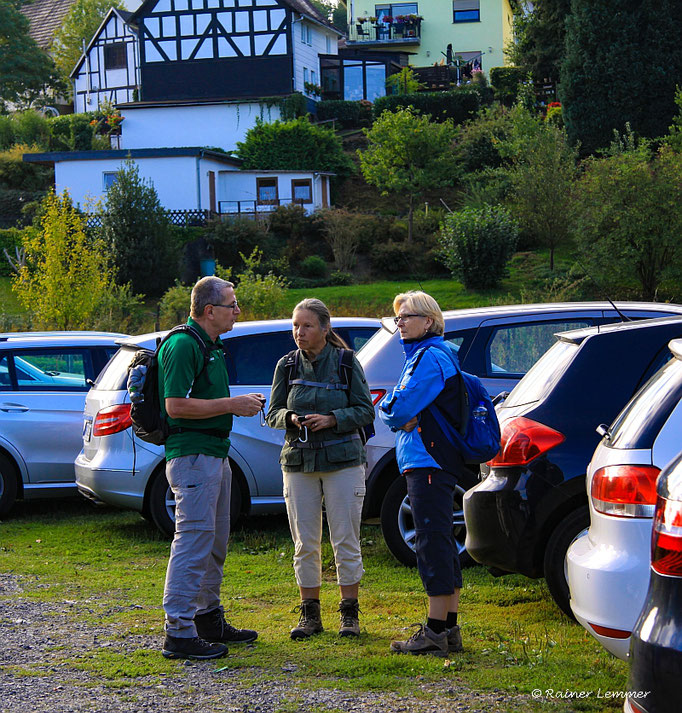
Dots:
pixel 666 544
pixel 523 440
pixel 377 395
pixel 611 633
pixel 625 490
pixel 112 419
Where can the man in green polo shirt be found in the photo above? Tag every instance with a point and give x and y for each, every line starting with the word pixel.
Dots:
pixel 199 410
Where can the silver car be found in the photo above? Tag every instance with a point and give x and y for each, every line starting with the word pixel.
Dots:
pixel 116 468
pixel 499 345
pixel 44 378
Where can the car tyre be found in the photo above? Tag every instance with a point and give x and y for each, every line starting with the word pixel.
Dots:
pixel 8 485
pixel 398 528
pixel 568 530
pixel 162 502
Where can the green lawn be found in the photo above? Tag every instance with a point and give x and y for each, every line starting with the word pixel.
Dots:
pixel 515 638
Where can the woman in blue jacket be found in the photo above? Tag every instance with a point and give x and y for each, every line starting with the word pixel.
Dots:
pixel 430 464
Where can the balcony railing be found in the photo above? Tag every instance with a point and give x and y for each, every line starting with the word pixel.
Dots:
pixel 385 32
pixel 253 207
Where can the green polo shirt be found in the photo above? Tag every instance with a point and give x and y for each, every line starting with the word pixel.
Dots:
pixel 180 360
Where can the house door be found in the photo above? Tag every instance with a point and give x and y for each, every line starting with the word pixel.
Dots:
pixel 211 191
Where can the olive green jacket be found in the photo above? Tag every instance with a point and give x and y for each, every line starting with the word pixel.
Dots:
pixel 352 408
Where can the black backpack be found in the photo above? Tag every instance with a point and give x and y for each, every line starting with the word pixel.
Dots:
pixel 345 373
pixel 143 388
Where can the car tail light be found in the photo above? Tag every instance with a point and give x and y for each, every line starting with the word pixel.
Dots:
pixel 611 633
pixel 666 543
pixel 625 490
pixel 112 419
pixel 377 395
pixel 523 440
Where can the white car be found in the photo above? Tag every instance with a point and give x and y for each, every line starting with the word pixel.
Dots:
pixel 44 377
pixel 608 565
pixel 116 468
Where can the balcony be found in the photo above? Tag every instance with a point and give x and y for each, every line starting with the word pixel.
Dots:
pixel 369 32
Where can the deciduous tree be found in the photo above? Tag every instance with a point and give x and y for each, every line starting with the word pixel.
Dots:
pixel 66 274
pixel 408 154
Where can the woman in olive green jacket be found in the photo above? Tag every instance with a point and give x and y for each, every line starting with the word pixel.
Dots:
pixel 323 458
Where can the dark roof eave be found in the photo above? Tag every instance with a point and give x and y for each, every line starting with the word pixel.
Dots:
pixel 57 156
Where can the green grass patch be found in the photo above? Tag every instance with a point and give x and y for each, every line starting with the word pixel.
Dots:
pixel 110 566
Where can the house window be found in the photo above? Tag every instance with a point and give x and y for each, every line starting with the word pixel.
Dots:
pixel 395 9
pixel 115 56
pixel 266 189
pixel 313 76
pixel 363 79
pixel 328 44
pixel 466 10
pixel 108 179
pixel 301 190
pixel 306 34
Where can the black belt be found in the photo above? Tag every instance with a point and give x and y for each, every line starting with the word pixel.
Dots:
pixel 318 445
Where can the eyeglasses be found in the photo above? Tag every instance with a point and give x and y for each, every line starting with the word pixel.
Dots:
pixel 405 317
pixel 234 305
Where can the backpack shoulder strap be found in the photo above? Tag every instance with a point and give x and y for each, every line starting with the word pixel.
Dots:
pixel 291 366
pixel 346 366
pixel 187 329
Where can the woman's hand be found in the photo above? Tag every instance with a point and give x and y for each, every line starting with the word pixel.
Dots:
pixel 315 421
pixel 410 425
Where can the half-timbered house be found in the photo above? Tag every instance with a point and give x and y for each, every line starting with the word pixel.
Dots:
pixel 109 68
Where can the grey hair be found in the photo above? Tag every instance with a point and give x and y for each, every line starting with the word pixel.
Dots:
pixel 207 291
pixel 422 304
pixel 319 308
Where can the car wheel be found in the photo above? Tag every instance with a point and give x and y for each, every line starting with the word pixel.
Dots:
pixel 8 485
pixel 162 502
pixel 569 529
pixel 397 524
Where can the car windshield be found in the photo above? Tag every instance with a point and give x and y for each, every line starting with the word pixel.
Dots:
pixel 543 375
pixel 641 420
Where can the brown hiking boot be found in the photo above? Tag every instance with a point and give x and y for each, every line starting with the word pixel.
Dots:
pixel 350 624
pixel 455 640
pixel 423 641
pixel 310 621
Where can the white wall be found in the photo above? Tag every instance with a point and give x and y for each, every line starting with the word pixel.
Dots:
pixel 307 55
pixel 210 125
pixel 181 182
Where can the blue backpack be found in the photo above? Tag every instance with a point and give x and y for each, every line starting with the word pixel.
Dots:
pixel 478 437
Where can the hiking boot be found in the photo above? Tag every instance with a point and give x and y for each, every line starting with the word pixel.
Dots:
pixel 213 627
pixel 310 621
pixel 192 648
pixel 350 624
pixel 455 640
pixel 423 641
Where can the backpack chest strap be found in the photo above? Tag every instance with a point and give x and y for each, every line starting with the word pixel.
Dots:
pixel 318 384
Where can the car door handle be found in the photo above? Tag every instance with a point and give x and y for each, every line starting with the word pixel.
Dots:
pixel 9 407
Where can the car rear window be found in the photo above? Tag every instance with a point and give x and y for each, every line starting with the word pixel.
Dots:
pixel 115 374
pixel 543 375
pixel 641 420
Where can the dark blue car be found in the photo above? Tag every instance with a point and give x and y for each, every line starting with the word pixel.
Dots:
pixel 532 503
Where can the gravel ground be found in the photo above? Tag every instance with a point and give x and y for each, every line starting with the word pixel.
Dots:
pixel 33 637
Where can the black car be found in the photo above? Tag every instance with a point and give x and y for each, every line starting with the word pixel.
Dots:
pixel 531 503
pixel 656 644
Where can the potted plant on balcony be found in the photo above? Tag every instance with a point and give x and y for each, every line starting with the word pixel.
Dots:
pixel 412 24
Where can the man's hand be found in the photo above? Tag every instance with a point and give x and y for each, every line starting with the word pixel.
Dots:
pixel 246 405
pixel 410 425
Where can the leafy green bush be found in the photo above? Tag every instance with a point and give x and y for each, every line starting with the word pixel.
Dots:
pixel 236 236
pixel 72 132
pixel 17 174
pixel 505 81
pixel 476 245
pixel 458 105
pixel 314 266
pixel 30 127
pixel 6 132
pixel 338 278
pixel 348 114
pixel 293 145
pixel 174 305
pixel 119 310
pixel 13 202
pixel 478 141
pixel 260 296
pixel 394 259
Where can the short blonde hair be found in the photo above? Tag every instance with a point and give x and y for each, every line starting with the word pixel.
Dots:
pixel 420 303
